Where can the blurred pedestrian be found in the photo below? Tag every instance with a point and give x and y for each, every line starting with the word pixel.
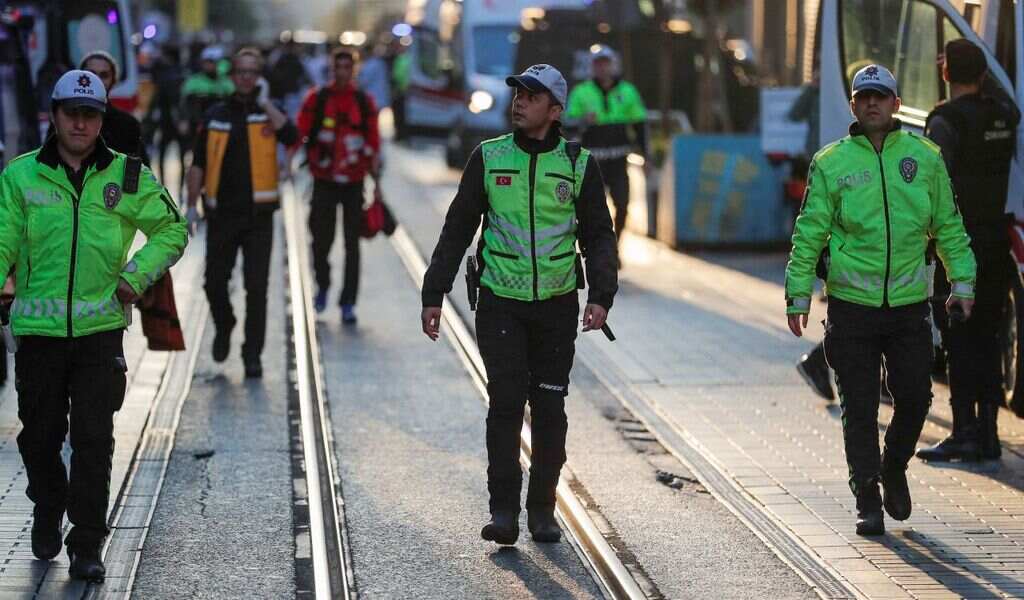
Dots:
pixel 339 123
pixel 165 110
pixel 976 133
pixel 235 171
pixel 611 115
pixel 875 199
pixel 86 202
pixel 374 77
pixel 201 91
pixel 401 79
pixel 288 78
pixel 537 196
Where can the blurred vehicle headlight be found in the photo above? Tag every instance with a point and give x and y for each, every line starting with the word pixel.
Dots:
pixel 480 101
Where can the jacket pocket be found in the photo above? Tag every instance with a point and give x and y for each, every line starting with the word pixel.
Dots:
pixel 563 255
pixel 504 255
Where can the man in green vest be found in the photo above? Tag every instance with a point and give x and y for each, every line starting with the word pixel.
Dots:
pixel 537 196
pixel 875 199
pixel 68 215
pixel 611 115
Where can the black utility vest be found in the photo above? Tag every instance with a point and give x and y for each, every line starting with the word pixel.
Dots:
pixel 980 167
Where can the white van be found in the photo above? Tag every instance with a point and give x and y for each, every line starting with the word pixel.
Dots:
pixel 461 53
pixel 908 36
pixel 43 38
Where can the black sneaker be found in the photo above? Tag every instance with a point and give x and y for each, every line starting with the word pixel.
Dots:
pixel 952 448
pixel 503 528
pixel 896 493
pixel 222 344
pixel 87 565
pixel 871 523
pixel 814 370
pixel 543 526
pixel 46 540
pixel 253 367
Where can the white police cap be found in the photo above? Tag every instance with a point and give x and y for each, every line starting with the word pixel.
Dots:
pixel 80 88
pixel 877 78
pixel 542 78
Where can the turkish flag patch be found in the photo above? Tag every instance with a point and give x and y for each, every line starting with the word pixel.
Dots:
pixel 503 180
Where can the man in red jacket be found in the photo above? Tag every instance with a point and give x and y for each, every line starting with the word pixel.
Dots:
pixel 339 124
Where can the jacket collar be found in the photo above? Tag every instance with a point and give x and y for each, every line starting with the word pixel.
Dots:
pixel 858 135
pixel 532 146
pixel 101 156
pixel 855 128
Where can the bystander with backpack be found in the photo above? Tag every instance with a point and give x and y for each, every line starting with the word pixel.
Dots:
pixel 339 124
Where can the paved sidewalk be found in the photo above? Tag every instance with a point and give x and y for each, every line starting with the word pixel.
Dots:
pixel 710 347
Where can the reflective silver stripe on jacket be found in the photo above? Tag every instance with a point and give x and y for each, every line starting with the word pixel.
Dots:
pixel 39 308
pixel 801 303
pixel 961 288
pixel 610 153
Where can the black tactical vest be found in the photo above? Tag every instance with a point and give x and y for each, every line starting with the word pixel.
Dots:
pixel 980 167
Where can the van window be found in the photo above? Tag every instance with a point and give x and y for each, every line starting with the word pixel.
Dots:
pixel 1006 40
pixel 906 36
pixel 495 47
pixel 92 26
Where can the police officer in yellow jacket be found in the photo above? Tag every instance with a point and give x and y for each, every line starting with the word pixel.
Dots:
pixel 537 196
pixel 68 215
pixel 235 166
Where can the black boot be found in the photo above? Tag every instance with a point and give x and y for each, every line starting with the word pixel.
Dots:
pixel 503 528
pixel 542 525
pixel 46 540
pixel 222 343
pixel 988 431
pixel 955 447
pixel 896 491
pixel 253 367
pixel 86 564
pixel 870 520
pixel 813 368
pixel 963 444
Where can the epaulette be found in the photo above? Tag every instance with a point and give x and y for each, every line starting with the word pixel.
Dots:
pixel 132 171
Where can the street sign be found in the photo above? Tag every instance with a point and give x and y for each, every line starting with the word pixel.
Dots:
pixel 192 15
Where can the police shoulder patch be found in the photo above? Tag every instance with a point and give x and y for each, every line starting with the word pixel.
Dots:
pixel 111 195
pixel 908 169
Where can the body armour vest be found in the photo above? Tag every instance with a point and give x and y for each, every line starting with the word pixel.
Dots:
pixel 529 238
pixel 980 167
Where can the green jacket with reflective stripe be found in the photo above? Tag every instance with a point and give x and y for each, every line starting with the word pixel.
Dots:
pixel 876 212
pixel 71 247
pixel 530 238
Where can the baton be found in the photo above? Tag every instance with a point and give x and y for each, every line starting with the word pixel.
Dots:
pixel 607 331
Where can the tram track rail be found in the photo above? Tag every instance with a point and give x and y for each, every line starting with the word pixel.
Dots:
pixel 319 488
pixel 618 580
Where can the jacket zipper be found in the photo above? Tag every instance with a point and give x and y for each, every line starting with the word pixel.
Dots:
pixel 533 228
pixel 888 231
pixel 74 257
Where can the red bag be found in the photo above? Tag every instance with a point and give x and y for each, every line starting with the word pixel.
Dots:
pixel 377 217
pixel 373 219
pixel 160 322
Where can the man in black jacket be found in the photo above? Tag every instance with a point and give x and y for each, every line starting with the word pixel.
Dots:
pixel 537 196
pixel 235 167
pixel 976 132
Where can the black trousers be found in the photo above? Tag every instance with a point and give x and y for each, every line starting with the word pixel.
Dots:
pixel 254 236
pixel 857 339
pixel 323 225
pixel 973 347
pixel 86 377
pixel 528 349
pixel 616 179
